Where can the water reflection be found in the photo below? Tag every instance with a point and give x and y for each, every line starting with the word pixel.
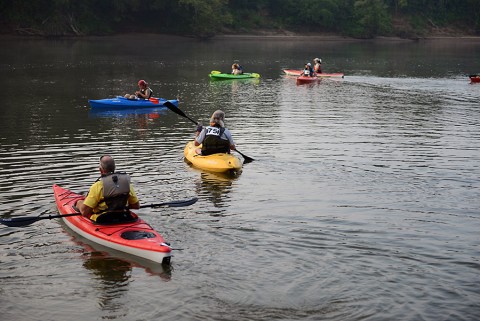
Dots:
pixel 114 267
pixel 352 172
pixel 215 187
pixel 140 113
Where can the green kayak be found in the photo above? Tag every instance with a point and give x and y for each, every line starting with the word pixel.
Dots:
pixel 218 75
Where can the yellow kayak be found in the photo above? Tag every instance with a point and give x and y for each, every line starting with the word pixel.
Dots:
pixel 218 163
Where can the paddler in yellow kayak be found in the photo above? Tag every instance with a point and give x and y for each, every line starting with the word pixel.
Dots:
pixel 215 138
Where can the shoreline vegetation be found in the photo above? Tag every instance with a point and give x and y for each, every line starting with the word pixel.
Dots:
pixel 207 19
pixel 280 36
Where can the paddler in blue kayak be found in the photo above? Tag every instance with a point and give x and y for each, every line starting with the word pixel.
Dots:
pixel 111 197
pixel 308 70
pixel 215 138
pixel 144 92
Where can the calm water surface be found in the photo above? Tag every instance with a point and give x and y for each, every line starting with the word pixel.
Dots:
pixel 362 202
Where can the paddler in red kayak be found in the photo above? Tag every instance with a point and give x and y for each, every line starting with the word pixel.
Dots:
pixel 317 67
pixel 308 71
pixel 110 197
pixel 144 92
pixel 215 138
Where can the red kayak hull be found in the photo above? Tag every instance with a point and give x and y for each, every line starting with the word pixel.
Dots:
pixel 293 72
pixel 306 80
pixel 137 238
pixel 475 79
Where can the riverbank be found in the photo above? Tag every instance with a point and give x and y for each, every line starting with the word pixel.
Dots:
pixel 267 35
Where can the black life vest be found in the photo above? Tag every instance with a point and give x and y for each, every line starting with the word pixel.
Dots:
pixel 212 143
pixel 143 91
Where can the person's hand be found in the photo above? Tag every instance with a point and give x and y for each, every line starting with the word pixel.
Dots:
pixel 199 127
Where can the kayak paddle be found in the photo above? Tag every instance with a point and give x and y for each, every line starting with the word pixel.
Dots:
pixel 173 203
pixel 27 220
pixel 178 111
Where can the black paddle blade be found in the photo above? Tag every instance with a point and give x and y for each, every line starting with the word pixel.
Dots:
pixel 178 111
pixel 173 203
pixel 20 221
pixel 182 203
pixel 246 159
pixel 27 220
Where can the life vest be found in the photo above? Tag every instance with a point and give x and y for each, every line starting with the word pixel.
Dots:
pixel 116 190
pixel 318 68
pixel 307 72
pixel 143 91
pixel 213 143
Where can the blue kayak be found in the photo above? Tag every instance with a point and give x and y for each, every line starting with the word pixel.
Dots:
pixel 121 102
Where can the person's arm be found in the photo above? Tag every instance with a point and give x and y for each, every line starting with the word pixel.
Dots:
pixel 199 139
pixel 87 205
pixel 85 210
pixel 133 202
pixel 198 130
pixel 134 206
pixel 228 135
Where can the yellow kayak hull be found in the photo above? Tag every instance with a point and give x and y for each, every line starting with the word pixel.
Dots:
pixel 217 163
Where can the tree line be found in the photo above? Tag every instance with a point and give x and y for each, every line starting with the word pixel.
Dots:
pixel 207 18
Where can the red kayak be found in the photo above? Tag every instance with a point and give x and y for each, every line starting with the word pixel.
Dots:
pixel 135 237
pixel 307 80
pixel 474 78
pixel 293 72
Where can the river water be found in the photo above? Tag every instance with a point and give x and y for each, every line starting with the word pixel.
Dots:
pixel 362 202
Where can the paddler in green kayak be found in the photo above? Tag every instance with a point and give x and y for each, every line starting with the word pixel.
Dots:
pixel 237 69
pixel 215 138
pixel 110 197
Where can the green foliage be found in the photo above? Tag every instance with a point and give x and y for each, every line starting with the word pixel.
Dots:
pixel 372 18
pixel 204 18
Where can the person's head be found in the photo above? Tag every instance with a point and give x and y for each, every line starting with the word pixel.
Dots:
pixel 309 65
pixel 142 84
pixel 107 164
pixel 318 60
pixel 217 118
pixel 235 66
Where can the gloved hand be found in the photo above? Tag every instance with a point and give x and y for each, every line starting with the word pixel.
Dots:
pixel 199 127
